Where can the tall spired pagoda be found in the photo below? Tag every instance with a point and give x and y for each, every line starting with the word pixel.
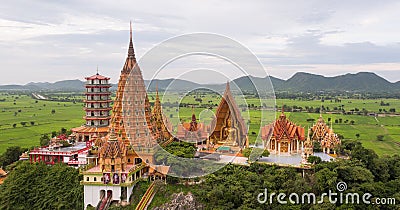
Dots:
pixel 131 111
pixel 125 154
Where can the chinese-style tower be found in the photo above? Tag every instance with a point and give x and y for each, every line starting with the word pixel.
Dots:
pixel 97 108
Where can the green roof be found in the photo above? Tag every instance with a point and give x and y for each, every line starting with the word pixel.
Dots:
pixel 224 148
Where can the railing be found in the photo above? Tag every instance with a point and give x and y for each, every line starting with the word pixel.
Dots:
pixel 165 143
pixel 138 166
pixel 143 203
pixel 100 202
pixel 76 162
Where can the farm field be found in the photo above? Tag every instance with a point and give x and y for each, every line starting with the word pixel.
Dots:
pixel 69 115
pixel 355 127
pixel 26 109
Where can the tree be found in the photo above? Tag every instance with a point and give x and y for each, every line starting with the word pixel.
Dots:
pixel 246 152
pixel 380 137
pixel 314 159
pixel 59 187
pixel 53 111
pixel 63 130
pixel 265 153
pixel 44 140
pixel 357 135
pixel 23 124
pixel 14 125
pixel 11 155
pixel 53 134
pixel 32 123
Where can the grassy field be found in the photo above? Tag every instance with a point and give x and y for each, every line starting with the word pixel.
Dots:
pixel 22 108
pixel 69 115
pixel 368 127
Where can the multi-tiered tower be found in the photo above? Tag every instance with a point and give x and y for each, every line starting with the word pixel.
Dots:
pixel 97 108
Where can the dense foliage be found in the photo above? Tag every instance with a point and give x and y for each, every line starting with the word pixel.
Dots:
pixel 237 187
pixel 11 155
pixel 180 157
pixel 38 186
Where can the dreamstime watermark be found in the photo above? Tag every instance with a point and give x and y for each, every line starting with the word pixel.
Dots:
pixel 339 197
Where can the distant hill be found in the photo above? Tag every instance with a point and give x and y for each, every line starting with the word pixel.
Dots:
pixel 299 82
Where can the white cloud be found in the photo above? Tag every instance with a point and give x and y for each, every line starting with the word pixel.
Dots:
pixel 52 40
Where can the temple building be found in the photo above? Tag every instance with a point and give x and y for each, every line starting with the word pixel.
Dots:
pixel 283 137
pixel 324 134
pixel 123 157
pixel 229 126
pixel 194 132
pixel 112 179
pixel 97 108
pixel 57 153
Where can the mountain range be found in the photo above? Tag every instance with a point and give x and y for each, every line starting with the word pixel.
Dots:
pixel 299 82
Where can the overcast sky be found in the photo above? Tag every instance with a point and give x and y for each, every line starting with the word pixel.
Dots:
pixel 57 40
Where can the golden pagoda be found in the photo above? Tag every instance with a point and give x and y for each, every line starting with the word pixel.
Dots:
pixel 308 149
pixel 319 129
pixel 117 121
pixel 325 135
pixel 160 121
pixel 117 164
pixel 113 154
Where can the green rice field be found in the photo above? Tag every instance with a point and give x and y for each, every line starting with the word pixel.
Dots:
pixel 69 115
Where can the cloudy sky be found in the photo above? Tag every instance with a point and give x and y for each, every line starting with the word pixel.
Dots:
pixel 57 40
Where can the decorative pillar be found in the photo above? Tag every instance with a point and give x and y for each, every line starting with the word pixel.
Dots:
pixel 279 148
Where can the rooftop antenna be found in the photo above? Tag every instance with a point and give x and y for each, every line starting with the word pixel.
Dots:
pixel 97 70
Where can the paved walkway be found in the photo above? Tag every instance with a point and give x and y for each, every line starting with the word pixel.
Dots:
pixel 293 159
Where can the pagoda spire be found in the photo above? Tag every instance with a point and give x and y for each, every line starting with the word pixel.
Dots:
pixel 157 90
pixel 130 60
pixel 193 115
pixel 131 51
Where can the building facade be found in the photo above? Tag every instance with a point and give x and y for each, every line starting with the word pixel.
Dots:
pixel 283 137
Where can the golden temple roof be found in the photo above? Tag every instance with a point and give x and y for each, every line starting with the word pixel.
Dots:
pixel 113 147
pixel 228 105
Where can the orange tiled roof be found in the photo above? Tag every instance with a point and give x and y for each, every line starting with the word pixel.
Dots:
pixel 283 127
pixel 97 76
pixel 86 129
pixel 2 172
